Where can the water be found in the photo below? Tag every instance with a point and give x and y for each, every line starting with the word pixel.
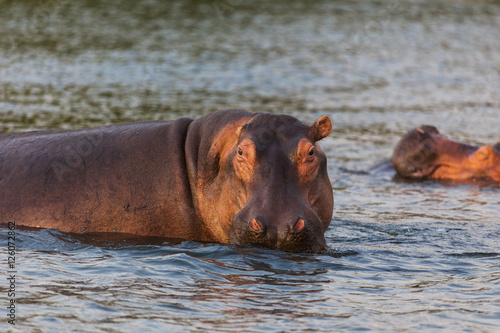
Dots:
pixel 403 256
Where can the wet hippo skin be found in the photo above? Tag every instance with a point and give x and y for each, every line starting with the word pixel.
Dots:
pixel 230 177
pixel 423 153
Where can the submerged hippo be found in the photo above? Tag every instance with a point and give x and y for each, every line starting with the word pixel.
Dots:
pixel 230 177
pixel 424 153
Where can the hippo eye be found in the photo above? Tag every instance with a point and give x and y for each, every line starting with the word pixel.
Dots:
pixel 240 152
pixel 310 154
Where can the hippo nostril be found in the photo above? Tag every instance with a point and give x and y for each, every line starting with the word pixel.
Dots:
pixel 255 225
pixel 299 225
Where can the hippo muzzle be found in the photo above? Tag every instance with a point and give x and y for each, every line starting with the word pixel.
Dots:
pixel 294 228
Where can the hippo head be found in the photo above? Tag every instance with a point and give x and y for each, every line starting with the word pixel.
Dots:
pixel 288 195
pixel 425 153
pixel 270 185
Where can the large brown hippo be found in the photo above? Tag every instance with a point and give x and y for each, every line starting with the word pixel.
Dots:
pixel 423 153
pixel 230 177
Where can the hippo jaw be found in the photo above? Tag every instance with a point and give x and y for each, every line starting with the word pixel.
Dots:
pixel 304 242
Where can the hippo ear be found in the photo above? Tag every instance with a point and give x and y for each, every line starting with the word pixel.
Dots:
pixel 427 129
pixel 496 147
pixel 321 128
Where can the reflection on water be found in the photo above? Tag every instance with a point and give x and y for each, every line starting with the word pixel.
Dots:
pixel 403 256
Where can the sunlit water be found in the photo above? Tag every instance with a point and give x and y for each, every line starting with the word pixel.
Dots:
pixel 403 256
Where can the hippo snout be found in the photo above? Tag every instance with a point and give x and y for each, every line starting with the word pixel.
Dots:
pixel 293 226
pixel 297 234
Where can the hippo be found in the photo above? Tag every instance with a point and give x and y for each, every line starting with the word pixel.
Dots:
pixel 424 153
pixel 231 177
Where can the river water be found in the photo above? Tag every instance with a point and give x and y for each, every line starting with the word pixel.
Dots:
pixel 404 257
